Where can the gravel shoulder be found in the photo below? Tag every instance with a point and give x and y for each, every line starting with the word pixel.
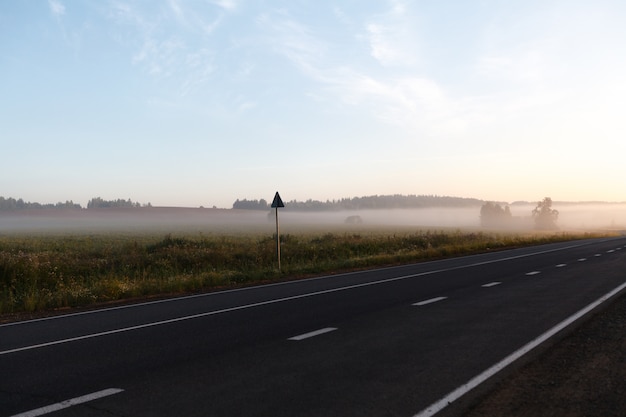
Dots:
pixel 582 374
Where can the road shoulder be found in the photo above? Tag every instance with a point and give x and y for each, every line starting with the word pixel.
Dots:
pixel 582 374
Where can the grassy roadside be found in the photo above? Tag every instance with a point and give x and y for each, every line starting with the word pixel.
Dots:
pixel 48 272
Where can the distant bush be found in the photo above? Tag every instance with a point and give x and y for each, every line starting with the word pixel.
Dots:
pixel 353 220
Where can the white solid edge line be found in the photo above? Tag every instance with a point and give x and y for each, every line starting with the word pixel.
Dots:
pixel 69 403
pixel 434 408
pixel 429 301
pixel 168 300
pixel 313 334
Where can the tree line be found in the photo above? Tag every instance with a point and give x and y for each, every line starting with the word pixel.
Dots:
pixel 12 204
pixel 98 202
pixel 373 202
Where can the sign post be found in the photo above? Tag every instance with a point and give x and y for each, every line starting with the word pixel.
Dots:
pixel 278 202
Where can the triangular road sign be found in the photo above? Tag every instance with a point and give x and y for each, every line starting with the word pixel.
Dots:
pixel 278 202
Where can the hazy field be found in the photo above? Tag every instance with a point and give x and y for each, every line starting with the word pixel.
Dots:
pixel 572 217
pixel 66 258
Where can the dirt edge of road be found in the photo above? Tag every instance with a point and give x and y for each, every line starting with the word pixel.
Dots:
pixel 582 373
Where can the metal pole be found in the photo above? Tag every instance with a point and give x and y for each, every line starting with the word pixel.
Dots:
pixel 277 240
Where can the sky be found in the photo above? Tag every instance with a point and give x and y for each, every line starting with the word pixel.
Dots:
pixel 199 103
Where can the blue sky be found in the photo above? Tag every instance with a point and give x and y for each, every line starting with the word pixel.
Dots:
pixel 189 103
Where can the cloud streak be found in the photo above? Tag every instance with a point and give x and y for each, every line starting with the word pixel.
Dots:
pixel 57 8
pixel 417 102
pixel 392 40
pixel 161 46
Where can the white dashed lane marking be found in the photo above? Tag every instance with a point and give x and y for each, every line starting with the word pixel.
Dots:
pixel 533 273
pixel 313 334
pixel 491 284
pixel 429 301
pixel 561 265
pixel 69 403
pixel 582 259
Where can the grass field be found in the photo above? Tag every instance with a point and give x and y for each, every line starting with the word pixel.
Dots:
pixel 52 271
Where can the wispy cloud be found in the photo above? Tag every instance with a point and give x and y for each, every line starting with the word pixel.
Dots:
pixel 519 68
pixel 391 36
pixel 199 68
pixel 530 62
pixel 410 101
pixel 417 103
pixel 177 9
pixel 229 5
pixel 56 7
pixel 160 57
pixel 192 19
pixel 294 40
pixel 72 35
pixel 161 43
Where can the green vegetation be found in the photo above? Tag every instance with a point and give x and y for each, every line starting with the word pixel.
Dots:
pixel 49 272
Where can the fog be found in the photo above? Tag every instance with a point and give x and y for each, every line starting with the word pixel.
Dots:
pixel 579 217
pixel 571 217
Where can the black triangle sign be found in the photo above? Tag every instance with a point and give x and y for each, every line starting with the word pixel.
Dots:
pixel 278 202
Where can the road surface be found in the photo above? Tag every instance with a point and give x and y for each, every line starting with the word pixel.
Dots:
pixel 396 341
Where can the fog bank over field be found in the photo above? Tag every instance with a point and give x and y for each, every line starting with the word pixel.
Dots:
pixel 193 220
pixel 571 216
pixel 582 216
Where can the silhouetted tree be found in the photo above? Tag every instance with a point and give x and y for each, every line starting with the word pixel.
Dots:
pixel 494 215
pixel 545 216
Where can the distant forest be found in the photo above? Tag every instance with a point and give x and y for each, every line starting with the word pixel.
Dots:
pixel 98 202
pixel 11 204
pixel 396 201
pixel 374 202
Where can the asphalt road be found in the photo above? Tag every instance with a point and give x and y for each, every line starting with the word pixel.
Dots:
pixel 385 342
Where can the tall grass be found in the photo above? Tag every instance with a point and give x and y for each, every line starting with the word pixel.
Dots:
pixel 50 272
